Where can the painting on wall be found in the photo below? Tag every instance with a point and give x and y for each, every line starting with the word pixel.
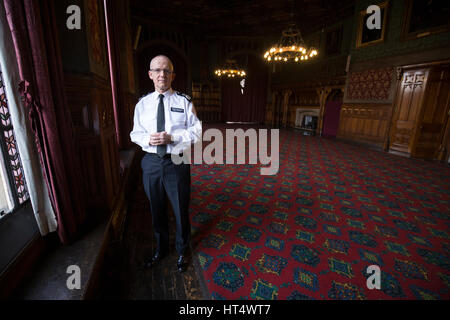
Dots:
pixel 96 37
pixel 366 36
pixel 425 17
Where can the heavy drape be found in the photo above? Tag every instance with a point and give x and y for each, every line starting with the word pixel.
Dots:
pixel 251 105
pixel 33 30
pixel 37 188
pixel 331 118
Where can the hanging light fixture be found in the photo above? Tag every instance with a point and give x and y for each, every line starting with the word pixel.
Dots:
pixel 291 47
pixel 230 70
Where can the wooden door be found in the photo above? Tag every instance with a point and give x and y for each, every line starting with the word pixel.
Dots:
pixel 434 114
pixel 444 149
pixel 408 104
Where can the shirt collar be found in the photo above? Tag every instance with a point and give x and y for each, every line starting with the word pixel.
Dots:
pixel 166 94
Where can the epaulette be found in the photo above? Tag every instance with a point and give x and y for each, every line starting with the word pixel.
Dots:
pixel 184 95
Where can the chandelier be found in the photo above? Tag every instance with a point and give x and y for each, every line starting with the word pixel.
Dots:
pixel 291 47
pixel 230 70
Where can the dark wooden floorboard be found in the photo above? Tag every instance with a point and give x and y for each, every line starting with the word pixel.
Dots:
pixel 124 274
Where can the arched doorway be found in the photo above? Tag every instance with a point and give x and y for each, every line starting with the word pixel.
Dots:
pixel 179 64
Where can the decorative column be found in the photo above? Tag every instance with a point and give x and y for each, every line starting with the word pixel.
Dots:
pixel 286 95
pixel 323 93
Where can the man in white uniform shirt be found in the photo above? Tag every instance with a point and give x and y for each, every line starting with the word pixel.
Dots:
pixel 164 120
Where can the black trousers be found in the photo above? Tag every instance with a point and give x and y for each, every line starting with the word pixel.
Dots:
pixel 163 179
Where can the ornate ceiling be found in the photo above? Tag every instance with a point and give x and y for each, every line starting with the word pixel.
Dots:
pixel 252 18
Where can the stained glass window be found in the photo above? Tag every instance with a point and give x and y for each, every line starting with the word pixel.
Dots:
pixel 13 179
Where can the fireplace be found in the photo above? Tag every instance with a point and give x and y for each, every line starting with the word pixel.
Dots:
pixel 307 120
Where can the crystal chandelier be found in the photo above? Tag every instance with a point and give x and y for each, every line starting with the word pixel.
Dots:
pixel 291 47
pixel 230 70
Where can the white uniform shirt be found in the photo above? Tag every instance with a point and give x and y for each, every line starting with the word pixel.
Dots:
pixel 180 121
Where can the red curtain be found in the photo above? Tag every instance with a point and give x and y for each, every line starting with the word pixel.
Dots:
pixel 251 105
pixel 33 29
pixel 331 118
pixel 112 36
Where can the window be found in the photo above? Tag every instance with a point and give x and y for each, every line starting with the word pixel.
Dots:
pixel 13 188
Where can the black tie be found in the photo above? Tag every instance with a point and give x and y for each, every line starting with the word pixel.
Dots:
pixel 160 120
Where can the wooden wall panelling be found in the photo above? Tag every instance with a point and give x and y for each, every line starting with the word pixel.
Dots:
pixel 434 114
pixel 93 174
pixel 307 97
pixel 86 131
pixel 408 105
pixel 285 107
pixel 443 153
pixel 128 114
pixel 206 98
pixel 365 123
pixel 110 154
pixel 90 103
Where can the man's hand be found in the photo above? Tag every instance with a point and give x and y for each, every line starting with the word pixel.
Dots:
pixel 160 138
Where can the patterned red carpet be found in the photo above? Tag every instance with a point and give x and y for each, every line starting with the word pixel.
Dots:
pixel 311 231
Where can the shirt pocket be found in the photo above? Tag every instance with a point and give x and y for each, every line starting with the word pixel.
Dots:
pixel 178 119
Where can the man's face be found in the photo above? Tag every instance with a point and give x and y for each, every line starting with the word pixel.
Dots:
pixel 161 72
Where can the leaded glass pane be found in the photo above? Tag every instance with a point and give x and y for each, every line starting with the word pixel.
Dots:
pixel 11 155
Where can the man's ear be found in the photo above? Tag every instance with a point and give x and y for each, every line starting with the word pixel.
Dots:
pixel 173 76
pixel 150 74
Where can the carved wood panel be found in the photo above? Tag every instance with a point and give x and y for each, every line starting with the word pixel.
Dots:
pixel 407 110
pixel 90 103
pixel 434 115
pixel 92 170
pixel 366 123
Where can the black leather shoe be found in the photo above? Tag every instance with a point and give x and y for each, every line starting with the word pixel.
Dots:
pixel 181 264
pixel 154 260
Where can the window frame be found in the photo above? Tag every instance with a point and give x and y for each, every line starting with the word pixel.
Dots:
pixel 7 127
